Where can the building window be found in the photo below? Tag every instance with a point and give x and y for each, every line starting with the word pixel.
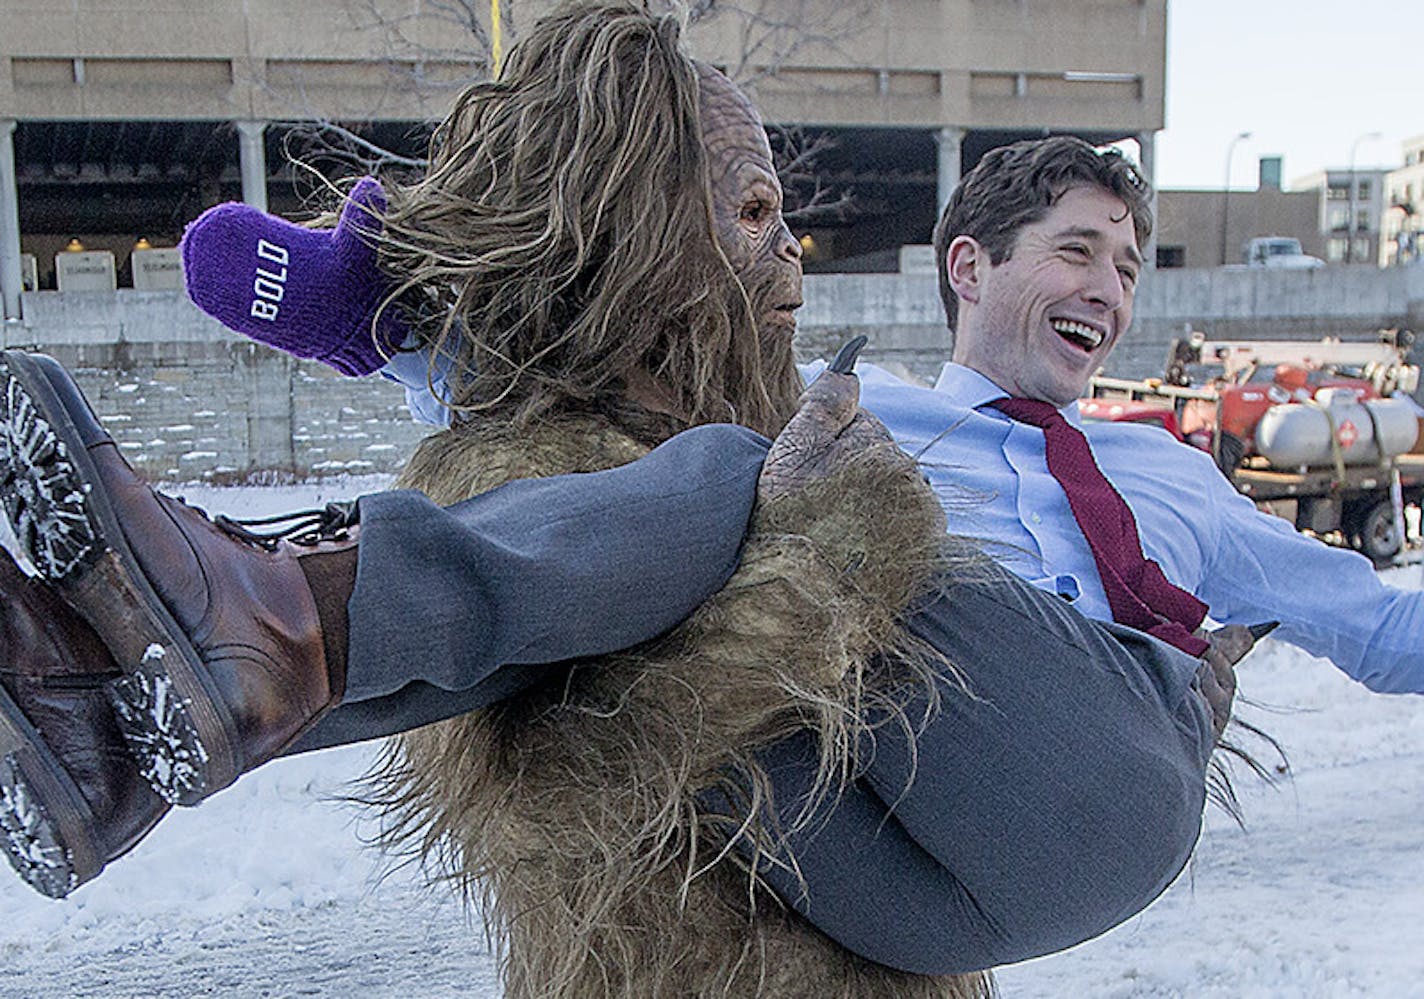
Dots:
pixel 1337 218
pixel 1363 220
pixel 1363 189
pixel 1335 250
pixel 1361 253
pixel 1337 190
pixel 1171 256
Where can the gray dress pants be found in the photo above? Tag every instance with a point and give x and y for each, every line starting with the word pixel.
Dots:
pixel 1059 800
pixel 458 607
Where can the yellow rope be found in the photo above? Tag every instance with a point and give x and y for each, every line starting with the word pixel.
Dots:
pixel 497 37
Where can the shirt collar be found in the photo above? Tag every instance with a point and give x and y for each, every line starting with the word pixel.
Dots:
pixel 971 389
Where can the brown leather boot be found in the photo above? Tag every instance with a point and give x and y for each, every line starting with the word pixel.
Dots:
pixel 71 798
pixel 218 633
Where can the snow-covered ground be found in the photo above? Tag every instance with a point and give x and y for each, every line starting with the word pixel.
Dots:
pixel 266 890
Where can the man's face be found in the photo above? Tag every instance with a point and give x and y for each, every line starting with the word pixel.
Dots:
pixel 1042 321
pixel 746 207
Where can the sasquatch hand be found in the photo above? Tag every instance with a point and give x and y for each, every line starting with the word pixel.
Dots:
pixel 1216 674
pixel 845 533
pixel 828 429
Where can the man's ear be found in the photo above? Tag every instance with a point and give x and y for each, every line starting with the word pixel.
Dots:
pixel 967 261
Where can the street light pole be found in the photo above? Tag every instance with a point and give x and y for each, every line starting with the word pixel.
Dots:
pixel 1226 190
pixel 1350 227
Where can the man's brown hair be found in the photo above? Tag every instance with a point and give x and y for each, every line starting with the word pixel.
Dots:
pixel 1014 186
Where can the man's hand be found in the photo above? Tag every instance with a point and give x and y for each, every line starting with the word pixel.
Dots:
pixel 827 429
pixel 1217 675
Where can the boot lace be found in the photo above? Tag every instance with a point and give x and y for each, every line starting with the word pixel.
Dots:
pixel 307 528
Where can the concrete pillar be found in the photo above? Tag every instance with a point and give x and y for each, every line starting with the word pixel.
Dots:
pixel 951 148
pixel 271 417
pixel 1147 143
pixel 10 275
pixel 252 154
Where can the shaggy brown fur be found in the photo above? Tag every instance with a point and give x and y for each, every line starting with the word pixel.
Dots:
pixel 573 810
pixel 563 235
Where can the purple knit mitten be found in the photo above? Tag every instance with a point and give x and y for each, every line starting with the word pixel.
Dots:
pixel 309 292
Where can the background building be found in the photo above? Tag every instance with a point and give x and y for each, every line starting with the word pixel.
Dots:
pixel 1342 216
pixel 1402 236
pixel 1207 228
pixel 1351 204
pixel 121 120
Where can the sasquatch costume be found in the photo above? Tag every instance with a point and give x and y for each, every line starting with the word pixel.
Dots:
pixel 617 819
pixel 583 811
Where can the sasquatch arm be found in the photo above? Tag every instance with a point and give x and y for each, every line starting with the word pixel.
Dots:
pixel 807 635
pixel 845 534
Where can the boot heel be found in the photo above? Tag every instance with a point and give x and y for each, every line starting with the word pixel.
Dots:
pixel 31 840
pixel 45 825
pixel 161 737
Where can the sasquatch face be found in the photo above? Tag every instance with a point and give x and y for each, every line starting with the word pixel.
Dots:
pixel 746 209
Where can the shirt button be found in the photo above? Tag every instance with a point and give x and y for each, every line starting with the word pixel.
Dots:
pixel 1035 518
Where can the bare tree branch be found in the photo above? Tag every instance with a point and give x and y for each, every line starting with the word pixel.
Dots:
pixel 773 33
pixel 332 140
pixel 808 198
pixel 466 40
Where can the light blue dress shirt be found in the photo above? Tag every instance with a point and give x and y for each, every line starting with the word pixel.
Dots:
pixel 1246 566
pixel 413 370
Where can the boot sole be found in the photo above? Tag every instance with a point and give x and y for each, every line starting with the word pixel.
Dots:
pixel 45 824
pixel 174 724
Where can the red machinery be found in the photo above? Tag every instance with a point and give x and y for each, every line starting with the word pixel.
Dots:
pixel 1317 431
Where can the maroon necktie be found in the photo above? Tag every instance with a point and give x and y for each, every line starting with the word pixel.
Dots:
pixel 1139 595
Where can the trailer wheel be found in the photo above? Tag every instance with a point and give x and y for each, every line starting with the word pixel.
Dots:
pixel 1372 534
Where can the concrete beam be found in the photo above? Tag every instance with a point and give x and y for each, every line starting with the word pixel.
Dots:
pixel 1147 143
pixel 268 377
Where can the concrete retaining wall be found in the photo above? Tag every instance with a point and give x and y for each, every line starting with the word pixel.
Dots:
pixel 188 400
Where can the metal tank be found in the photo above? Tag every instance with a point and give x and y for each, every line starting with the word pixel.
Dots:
pixel 1297 434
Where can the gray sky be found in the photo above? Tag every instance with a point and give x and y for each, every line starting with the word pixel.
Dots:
pixel 1306 77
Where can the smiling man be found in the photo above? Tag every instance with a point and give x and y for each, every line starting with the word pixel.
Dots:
pixel 1039 258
